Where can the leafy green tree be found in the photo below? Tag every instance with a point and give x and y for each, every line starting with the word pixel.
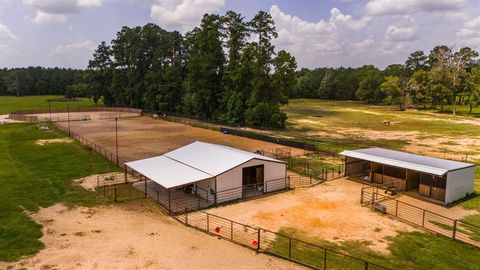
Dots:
pixel 473 89
pixel 283 80
pixel 391 88
pixel 369 86
pixel 99 73
pixel 416 61
pixel 204 84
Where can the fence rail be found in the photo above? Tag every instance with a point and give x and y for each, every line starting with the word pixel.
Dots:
pixel 28 115
pixel 453 228
pixel 257 239
pixel 273 243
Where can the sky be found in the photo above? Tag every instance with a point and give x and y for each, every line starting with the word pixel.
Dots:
pixel 319 33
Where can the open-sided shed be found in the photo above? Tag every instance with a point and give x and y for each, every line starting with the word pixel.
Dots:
pixel 201 174
pixel 441 180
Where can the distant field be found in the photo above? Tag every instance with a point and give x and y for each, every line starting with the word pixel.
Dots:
pixel 10 103
pixel 337 125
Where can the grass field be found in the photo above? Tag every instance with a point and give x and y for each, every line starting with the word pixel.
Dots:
pixel 34 176
pixel 409 250
pixel 11 103
pixel 341 124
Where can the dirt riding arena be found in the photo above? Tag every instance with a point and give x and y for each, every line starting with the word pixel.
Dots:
pixel 133 236
pixel 144 137
pixel 330 211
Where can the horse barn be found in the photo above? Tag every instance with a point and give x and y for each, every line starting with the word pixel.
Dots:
pixel 201 174
pixel 440 180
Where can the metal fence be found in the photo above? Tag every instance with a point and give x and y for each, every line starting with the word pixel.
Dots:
pixel 453 228
pixel 260 240
pixel 28 115
pixel 327 172
pixel 283 246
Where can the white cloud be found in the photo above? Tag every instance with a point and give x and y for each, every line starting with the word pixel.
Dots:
pixel 175 14
pixel 337 17
pixel 390 7
pixel 43 18
pixel 363 45
pixel 73 48
pixel 56 11
pixel 469 34
pixel 6 36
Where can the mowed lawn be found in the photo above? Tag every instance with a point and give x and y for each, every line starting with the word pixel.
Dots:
pixel 34 176
pixel 11 103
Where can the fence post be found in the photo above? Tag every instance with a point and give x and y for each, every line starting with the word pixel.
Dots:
pixel 115 194
pixel 361 196
pixel 396 208
pixel 258 240
pixel 231 230
pixel 325 259
pixel 104 191
pixel 366 265
pixel 208 222
pixel 289 247
pixel 125 168
pixel 186 215
pixel 454 229
pixel 158 196
pixel 423 218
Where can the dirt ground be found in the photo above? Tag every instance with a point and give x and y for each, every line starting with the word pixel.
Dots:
pixel 48 141
pixel 4 119
pixel 329 211
pixel 144 137
pixel 133 236
pixel 93 115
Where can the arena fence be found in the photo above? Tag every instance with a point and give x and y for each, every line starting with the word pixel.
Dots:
pixel 433 222
pixel 30 115
pixel 254 238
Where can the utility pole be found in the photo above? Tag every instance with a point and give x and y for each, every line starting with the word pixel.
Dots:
pixel 49 110
pixel 68 118
pixel 116 138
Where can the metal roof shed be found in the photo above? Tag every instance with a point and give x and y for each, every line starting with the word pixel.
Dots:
pixel 215 173
pixel 452 180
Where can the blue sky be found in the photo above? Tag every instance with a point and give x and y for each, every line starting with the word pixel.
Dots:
pixel 317 32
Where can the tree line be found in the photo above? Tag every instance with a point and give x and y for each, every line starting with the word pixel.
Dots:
pixel 444 76
pixel 224 70
pixel 39 81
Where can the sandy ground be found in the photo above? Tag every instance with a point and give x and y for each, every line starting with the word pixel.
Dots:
pixel 4 119
pixel 48 141
pixel 133 236
pixel 330 211
pixel 93 115
pixel 146 137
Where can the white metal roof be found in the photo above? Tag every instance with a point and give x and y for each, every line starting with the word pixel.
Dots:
pixel 435 166
pixel 192 163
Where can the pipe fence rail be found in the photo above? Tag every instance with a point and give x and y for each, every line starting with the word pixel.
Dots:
pixel 431 221
pixel 265 241
pixel 29 115
pixel 257 239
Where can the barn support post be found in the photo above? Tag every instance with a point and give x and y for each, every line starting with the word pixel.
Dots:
pixel 145 182
pixel 215 194
pixel 125 173
pixel 169 202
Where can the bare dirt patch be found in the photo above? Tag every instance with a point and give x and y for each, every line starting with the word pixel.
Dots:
pixel 134 236
pixel 146 137
pixel 91 182
pixel 330 211
pixel 48 141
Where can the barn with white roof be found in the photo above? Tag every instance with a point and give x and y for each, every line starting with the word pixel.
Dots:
pixel 440 180
pixel 202 174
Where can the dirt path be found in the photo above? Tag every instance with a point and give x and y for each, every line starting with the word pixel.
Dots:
pixel 330 211
pixel 133 236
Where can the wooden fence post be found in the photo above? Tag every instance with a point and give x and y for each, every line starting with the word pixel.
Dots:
pixel 396 208
pixel 231 230
pixel 366 265
pixel 115 194
pixel 423 218
pixel 208 222
pixel 186 215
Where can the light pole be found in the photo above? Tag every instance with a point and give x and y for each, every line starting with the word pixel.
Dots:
pixel 116 138
pixel 49 110
pixel 68 118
